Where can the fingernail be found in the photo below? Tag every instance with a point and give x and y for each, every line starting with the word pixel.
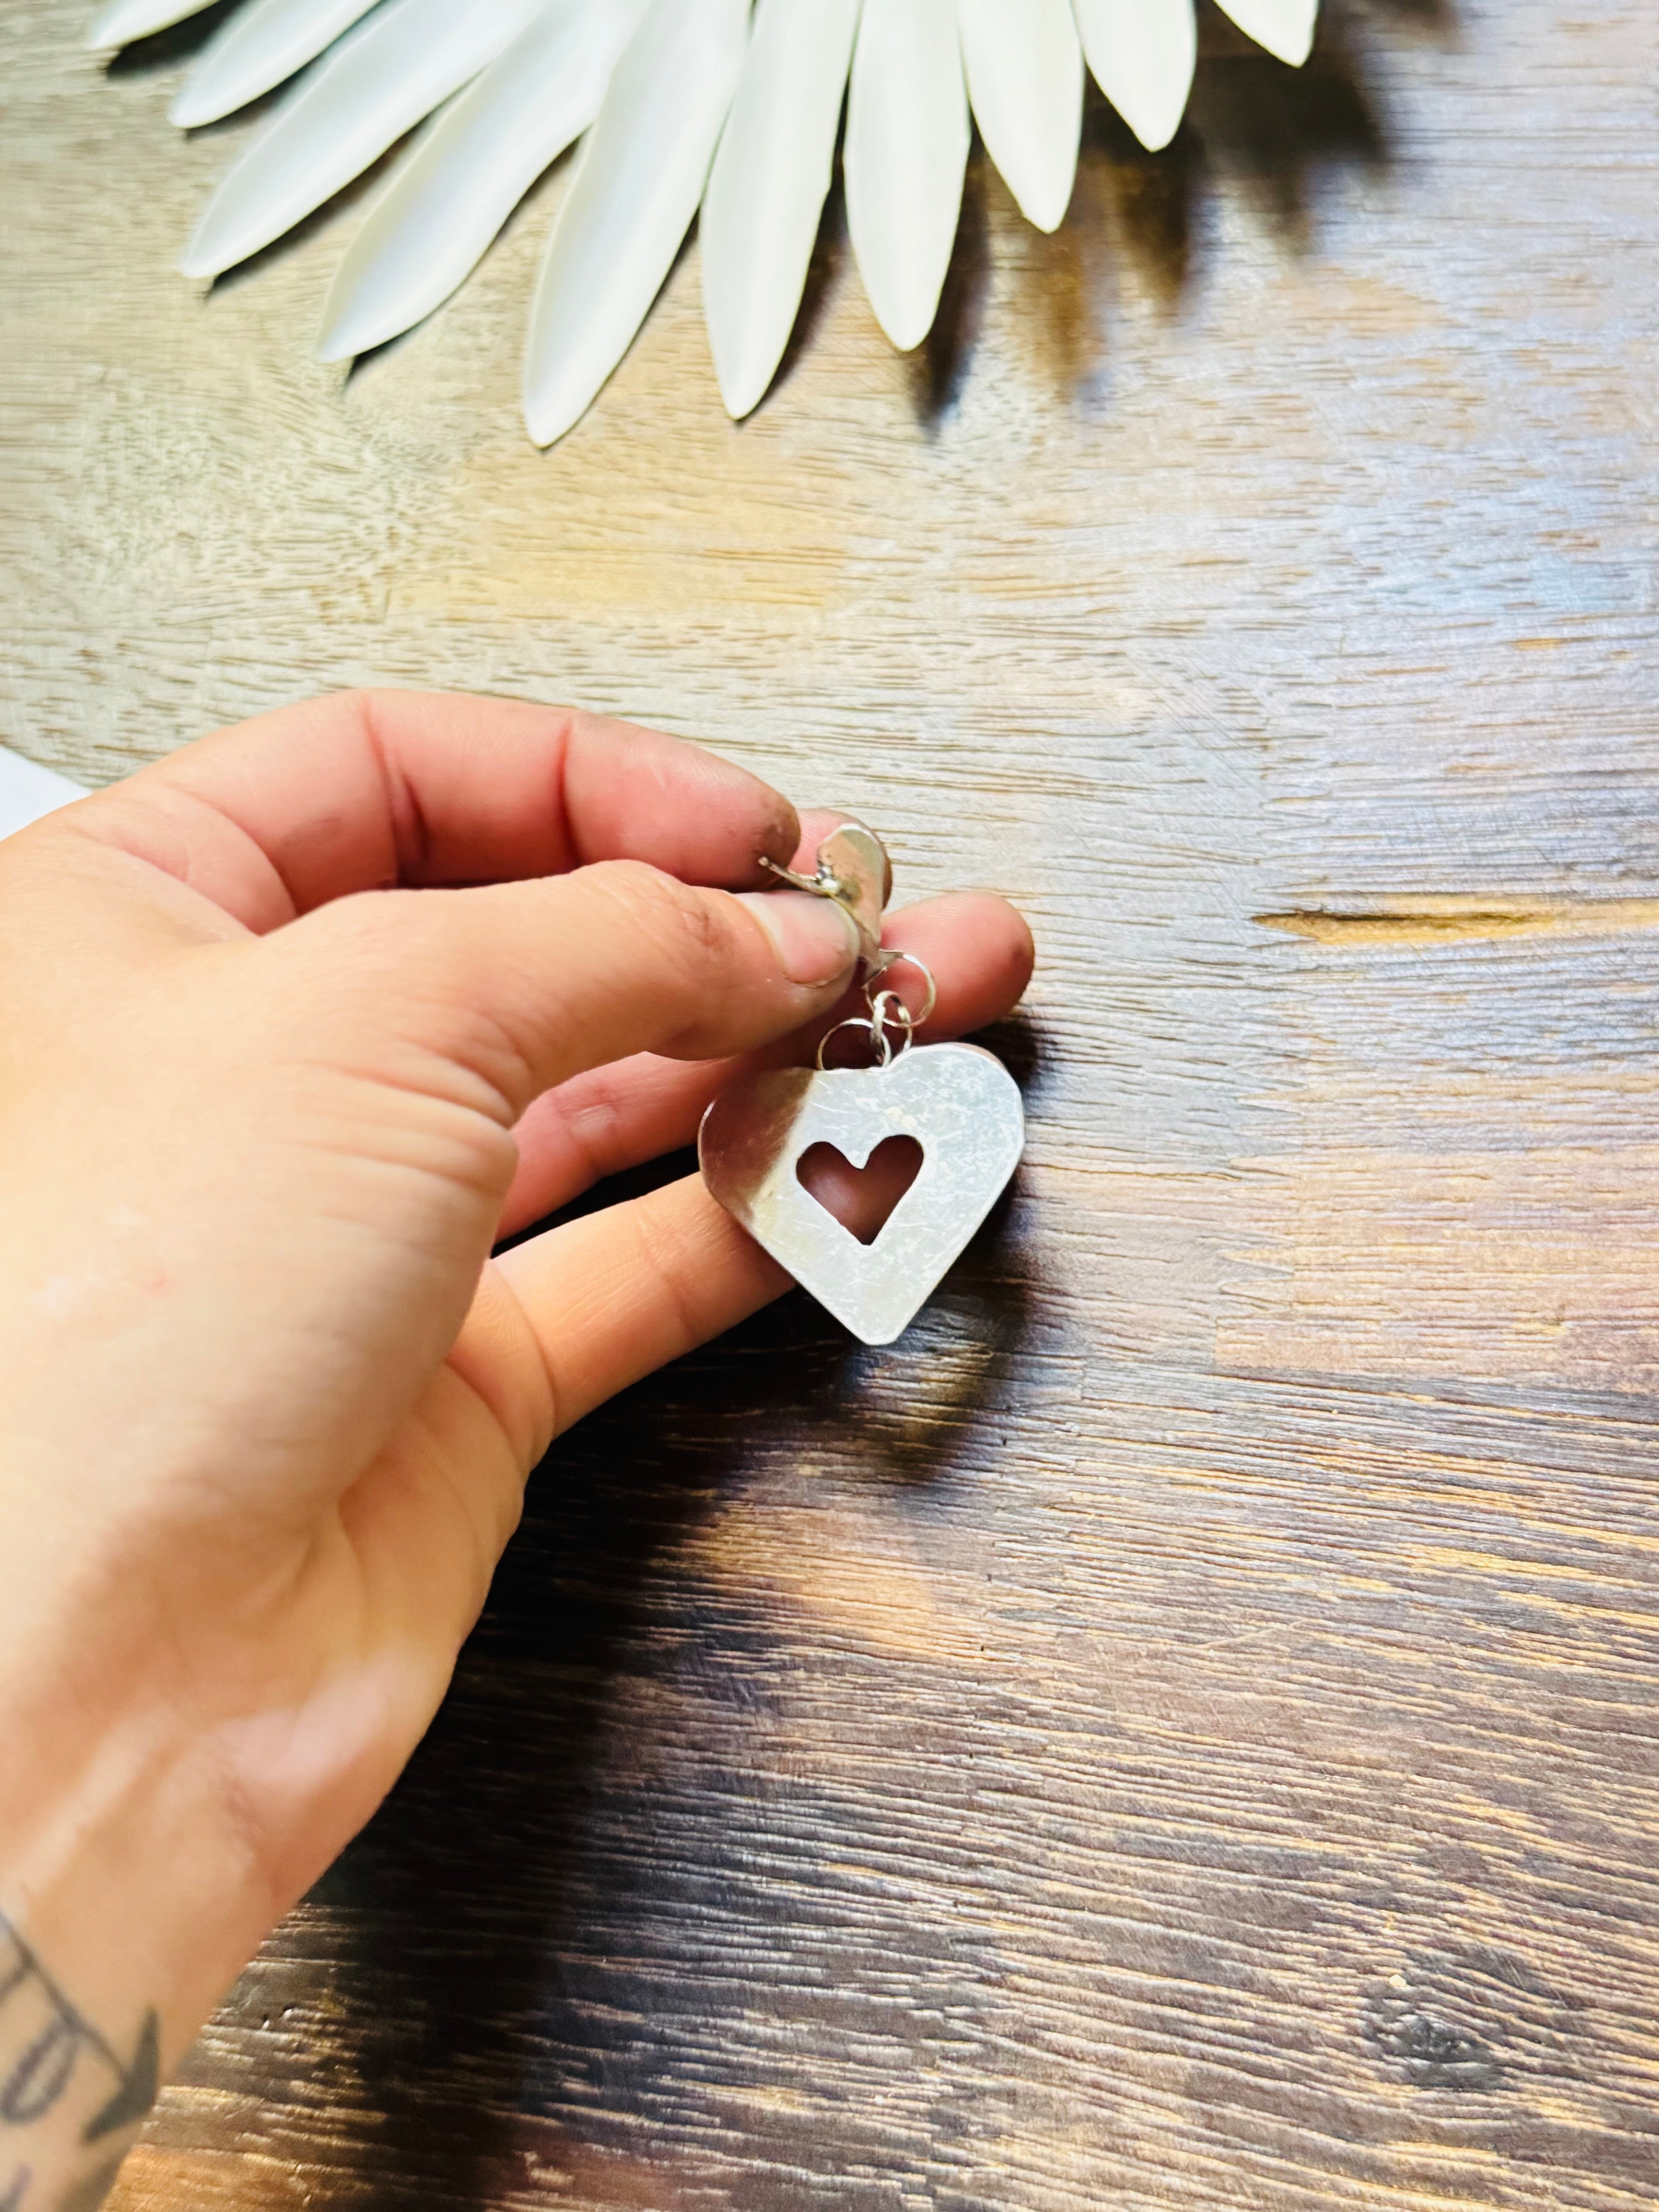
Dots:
pixel 815 938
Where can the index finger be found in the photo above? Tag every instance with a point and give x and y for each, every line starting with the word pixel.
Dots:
pixel 365 789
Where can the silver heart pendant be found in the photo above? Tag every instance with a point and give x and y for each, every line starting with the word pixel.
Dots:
pixel 960 1104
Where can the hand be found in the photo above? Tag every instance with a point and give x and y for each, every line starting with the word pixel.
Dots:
pixel 294 1027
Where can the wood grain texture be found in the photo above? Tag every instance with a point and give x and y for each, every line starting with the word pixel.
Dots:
pixel 1178 1730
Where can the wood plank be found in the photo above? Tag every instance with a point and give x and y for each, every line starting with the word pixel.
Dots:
pixel 1177 1730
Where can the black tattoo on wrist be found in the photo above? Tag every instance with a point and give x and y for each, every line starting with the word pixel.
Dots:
pixel 55 2066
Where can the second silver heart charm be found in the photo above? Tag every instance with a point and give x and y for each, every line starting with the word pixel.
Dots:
pixel 959 1104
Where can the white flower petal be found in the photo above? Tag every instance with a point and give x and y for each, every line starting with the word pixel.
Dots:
pixel 1024 70
pixel 378 84
pixel 258 48
pixel 1285 27
pixel 1142 53
pixel 426 232
pixel 907 148
pixel 635 188
pixel 767 190
pixel 124 21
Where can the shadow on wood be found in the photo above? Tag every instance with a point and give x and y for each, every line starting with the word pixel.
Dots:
pixel 1252 120
pixel 510 2008
pixel 177 43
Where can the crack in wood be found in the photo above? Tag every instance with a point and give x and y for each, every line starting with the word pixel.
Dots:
pixel 1462 918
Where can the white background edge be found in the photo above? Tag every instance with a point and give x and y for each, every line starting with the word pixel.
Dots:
pixel 28 791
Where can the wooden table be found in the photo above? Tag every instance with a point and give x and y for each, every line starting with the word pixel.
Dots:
pixel 1179 1729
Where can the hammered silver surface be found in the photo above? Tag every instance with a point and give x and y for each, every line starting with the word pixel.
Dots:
pixel 960 1104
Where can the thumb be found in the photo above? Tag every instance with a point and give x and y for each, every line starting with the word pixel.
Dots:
pixel 522 985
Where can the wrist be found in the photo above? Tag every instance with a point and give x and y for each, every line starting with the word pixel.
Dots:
pixel 127 1904
pixel 120 1863
pixel 71 2099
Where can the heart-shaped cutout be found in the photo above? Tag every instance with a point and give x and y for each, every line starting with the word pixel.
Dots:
pixel 959 1104
pixel 862 1200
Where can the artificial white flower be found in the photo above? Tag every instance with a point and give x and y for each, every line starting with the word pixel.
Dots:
pixel 686 105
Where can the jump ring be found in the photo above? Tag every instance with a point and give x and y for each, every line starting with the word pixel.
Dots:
pixel 875 1031
pixel 888 1009
pixel 892 956
pixel 887 1006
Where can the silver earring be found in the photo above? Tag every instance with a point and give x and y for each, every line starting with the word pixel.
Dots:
pixel 958 1103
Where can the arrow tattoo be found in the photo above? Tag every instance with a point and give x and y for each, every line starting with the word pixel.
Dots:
pixel 61 2083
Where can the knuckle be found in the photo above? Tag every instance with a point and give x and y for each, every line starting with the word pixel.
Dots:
pixel 663 1262
pixel 364 962
pixel 357 710
pixel 369 934
pixel 684 924
pixel 356 699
